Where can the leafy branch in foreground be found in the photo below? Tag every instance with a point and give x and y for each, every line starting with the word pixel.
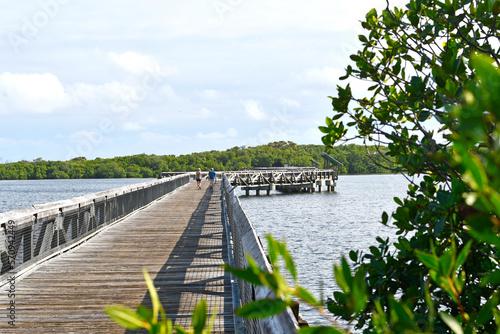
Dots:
pixel 277 283
pixel 433 101
pixel 149 319
pixel 444 267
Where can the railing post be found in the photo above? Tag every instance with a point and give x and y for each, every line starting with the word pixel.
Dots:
pixel 32 242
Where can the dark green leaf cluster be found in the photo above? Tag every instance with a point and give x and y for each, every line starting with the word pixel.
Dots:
pixel 356 159
pixel 434 103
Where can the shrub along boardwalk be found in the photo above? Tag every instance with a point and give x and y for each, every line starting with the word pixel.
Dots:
pixel 178 239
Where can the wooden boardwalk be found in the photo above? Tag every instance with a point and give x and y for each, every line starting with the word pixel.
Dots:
pixel 178 239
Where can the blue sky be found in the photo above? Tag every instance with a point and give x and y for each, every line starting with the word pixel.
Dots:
pixel 113 78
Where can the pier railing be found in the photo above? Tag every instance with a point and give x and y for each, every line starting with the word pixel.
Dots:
pixel 32 234
pixel 245 241
pixel 282 177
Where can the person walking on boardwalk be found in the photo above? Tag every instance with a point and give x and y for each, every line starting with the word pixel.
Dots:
pixel 198 178
pixel 212 177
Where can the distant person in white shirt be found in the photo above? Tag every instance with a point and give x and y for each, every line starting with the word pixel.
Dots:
pixel 198 178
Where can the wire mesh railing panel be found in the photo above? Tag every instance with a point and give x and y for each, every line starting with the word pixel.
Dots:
pixel 28 235
pixel 111 210
pixel 100 212
pixel 245 241
pixel 70 224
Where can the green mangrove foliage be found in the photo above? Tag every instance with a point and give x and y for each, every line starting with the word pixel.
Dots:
pixel 442 274
pixel 355 159
pixel 434 103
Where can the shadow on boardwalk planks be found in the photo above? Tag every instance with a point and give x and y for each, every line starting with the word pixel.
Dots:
pixel 193 270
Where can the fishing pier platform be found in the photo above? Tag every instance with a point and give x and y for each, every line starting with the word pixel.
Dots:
pixel 63 262
pixel 284 180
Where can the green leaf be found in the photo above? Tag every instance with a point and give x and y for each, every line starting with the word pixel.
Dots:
pixel 306 296
pixel 355 57
pixel 446 262
pixel 275 282
pixel 273 250
pixel 340 277
pixel 476 175
pixel 372 13
pixel 145 313
pixel 385 218
pixel 375 251
pixel 428 260
pixel 200 317
pixel 347 271
pixel 462 256
pixel 401 314
pixel 324 129
pixel 126 317
pixel 290 265
pixel 213 318
pixel 166 327
pixel 180 330
pixel 353 256
pixel 363 38
pixel 154 296
pixel 244 274
pixel 486 312
pixel 482 228
pixel 492 278
pixel 452 323
pixel 262 308
pixel 329 122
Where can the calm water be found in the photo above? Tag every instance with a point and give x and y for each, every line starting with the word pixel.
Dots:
pixel 21 194
pixel 321 227
pixel 318 228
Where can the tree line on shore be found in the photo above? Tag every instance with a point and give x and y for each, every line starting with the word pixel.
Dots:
pixel 355 159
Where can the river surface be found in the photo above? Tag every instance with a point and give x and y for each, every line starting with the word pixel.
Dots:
pixel 321 227
pixel 24 193
pixel 318 227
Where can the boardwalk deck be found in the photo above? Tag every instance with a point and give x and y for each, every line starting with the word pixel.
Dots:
pixel 178 239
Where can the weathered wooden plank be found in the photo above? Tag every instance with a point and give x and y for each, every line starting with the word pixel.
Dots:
pixel 179 240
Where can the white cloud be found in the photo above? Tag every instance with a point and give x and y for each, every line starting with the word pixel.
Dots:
pixel 210 94
pixel 133 62
pixel 151 137
pixel 290 103
pixel 206 113
pixel 261 60
pixel 131 126
pixel 139 64
pixel 84 93
pixel 31 93
pixel 326 77
pixel 230 133
pixel 254 110
pixel 94 137
pixel 5 142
